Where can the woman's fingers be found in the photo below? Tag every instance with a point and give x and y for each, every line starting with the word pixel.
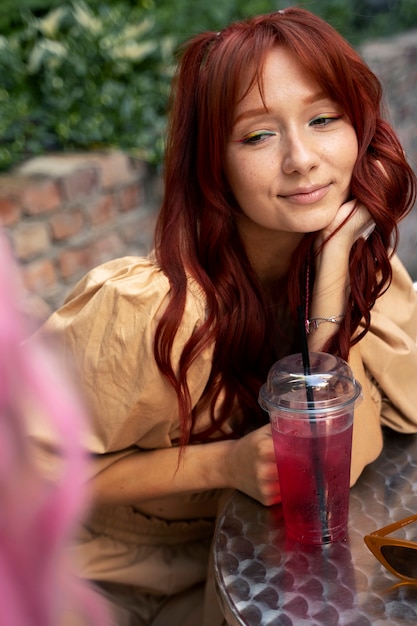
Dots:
pixel 254 466
pixel 366 230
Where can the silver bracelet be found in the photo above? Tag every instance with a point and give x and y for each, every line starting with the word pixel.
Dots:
pixel 314 323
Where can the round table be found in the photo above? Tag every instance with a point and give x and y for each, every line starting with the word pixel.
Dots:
pixel 265 579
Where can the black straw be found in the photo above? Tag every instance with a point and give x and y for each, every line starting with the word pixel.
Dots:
pixel 303 338
pixel 318 471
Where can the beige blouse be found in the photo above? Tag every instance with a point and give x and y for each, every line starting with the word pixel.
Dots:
pixel 107 325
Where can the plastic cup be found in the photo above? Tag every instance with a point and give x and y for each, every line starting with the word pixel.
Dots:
pixel 311 417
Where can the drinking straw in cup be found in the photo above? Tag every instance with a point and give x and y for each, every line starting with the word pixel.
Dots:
pixel 311 415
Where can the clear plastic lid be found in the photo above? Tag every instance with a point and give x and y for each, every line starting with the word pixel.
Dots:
pixel 329 385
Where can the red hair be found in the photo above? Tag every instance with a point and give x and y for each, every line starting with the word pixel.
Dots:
pixel 196 230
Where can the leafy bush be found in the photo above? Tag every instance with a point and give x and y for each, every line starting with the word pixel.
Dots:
pixel 85 76
pixel 81 79
pixel 77 76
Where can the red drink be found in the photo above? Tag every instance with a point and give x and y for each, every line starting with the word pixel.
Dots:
pixel 314 478
pixel 311 417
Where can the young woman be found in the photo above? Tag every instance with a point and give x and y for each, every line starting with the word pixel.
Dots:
pixel 283 185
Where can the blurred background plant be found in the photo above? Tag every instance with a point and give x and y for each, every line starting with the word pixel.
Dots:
pixel 79 78
pixel 84 75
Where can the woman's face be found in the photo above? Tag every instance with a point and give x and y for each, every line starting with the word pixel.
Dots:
pixel 289 165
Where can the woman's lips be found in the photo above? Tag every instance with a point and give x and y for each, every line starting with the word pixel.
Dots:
pixel 307 196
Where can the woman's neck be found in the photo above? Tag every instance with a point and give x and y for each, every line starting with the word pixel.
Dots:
pixel 269 252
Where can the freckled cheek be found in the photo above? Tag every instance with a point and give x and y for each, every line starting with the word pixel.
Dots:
pixel 343 151
pixel 342 167
pixel 349 154
pixel 240 176
pixel 348 172
pixel 248 176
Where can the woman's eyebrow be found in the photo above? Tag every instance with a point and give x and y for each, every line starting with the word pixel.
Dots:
pixel 249 113
pixel 311 98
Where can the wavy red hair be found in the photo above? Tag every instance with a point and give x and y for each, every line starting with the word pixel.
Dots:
pixel 196 231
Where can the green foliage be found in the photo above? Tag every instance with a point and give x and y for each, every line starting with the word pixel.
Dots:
pixel 86 74
pixel 12 10
pixel 79 79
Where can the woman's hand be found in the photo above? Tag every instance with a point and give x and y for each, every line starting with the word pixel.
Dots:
pixel 331 287
pixel 252 466
pixel 352 221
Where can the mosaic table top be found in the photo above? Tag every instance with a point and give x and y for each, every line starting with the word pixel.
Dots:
pixel 265 579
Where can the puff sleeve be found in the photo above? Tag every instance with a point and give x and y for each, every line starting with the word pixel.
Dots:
pixel 106 330
pixel 389 351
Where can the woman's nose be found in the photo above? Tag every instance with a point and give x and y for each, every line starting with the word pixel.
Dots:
pixel 300 154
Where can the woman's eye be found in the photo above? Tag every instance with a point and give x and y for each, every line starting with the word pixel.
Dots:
pixel 256 137
pixel 324 120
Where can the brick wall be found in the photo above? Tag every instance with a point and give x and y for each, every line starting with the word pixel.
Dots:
pixel 66 214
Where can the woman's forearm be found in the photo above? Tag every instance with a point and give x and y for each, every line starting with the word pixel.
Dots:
pixel 329 299
pixel 329 296
pixel 331 286
pixel 147 475
pixel 247 464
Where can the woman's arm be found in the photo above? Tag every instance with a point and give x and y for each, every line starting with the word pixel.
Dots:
pixel 331 286
pixel 107 329
pixel 329 299
pixel 247 464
